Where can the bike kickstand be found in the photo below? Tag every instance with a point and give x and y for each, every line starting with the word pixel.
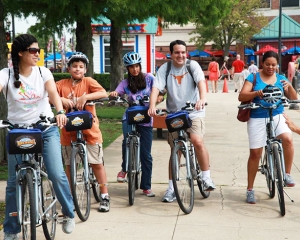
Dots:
pixel 288 196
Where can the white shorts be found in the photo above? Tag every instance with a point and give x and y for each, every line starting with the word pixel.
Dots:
pixel 257 133
pixel 237 77
pixel 94 153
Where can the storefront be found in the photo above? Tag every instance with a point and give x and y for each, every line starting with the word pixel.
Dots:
pixel 139 38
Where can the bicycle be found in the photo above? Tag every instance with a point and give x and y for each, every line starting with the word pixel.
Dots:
pixel 134 114
pixel 272 160
pixel 36 199
pixel 82 176
pixel 184 164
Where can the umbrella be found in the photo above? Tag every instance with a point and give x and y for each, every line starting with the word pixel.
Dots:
pixel 198 53
pixel 292 50
pixel 249 51
pixel 160 56
pixel 221 53
pixel 51 57
pixel 265 49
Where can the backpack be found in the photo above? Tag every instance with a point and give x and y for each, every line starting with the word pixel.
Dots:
pixel 188 66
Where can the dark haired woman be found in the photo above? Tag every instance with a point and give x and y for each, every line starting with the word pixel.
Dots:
pixel 28 89
pixel 214 74
pixel 136 86
pixel 256 125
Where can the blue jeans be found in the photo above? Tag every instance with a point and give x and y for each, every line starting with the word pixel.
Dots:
pixel 56 173
pixel 145 152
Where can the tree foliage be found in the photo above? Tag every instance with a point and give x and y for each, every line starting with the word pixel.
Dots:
pixel 239 24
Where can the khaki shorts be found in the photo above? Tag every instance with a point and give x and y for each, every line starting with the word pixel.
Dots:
pixel 198 128
pixel 94 152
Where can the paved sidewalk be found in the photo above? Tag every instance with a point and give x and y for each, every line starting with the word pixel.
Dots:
pixel 224 215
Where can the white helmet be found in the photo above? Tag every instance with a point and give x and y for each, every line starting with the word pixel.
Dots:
pixel 272 94
pixel 78 56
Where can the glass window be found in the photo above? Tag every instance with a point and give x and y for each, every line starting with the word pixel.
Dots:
pixel 128 46
pixel 290 3
pixel 265 4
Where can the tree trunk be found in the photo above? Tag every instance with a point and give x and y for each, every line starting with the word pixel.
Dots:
pixel 3 64
pixel 84 42
pixel 116 58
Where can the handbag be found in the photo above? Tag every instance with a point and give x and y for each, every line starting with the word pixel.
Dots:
pixel 244 114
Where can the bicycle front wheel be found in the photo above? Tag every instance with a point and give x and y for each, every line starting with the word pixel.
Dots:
pixel 279 179
pixel 132 171
pixel 28 208
pixel 267 172
pixel 182 181
pixel 79 187
pixel 48 205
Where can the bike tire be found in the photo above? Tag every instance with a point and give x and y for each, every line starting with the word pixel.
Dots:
pixel 279 179
pixel 80 189
pixel 268 175
pixel 203 192
pixel 132 171
pixel 95 186
pixel 28 208
pixel 183 184
pixel 48 198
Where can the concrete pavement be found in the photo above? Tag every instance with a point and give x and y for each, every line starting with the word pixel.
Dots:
pixel 224 215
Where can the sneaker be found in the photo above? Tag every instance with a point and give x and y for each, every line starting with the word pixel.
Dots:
pixel 11 236
pixel 208 184
pixel 121 176
pixel 289 182
pixel 68 225
pixel 104 204
pixel 250 197
pixel 169 196
pixel 149 193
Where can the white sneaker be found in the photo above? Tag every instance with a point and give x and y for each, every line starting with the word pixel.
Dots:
pixel 11 236
pixel 169 196
pixel 68 225
pixel 208 184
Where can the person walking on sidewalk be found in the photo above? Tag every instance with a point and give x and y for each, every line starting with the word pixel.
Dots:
pixel 237 68
pixel 182 87
pixel 28 89
pixel 252 68
pixel 136 86
pixel 214 74
pixel 74 93
pixel 256 125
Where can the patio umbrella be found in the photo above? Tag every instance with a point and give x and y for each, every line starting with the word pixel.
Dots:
pixel 292 50
pixel 51 57
pixel 160 56
pixel 249 51
pixel 265 49
pixel 198 53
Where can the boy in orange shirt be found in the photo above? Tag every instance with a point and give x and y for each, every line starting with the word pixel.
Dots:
pixel 74 93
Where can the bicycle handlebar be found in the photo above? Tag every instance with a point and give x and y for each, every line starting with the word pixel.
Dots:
pixel 284 101
pixel 119 99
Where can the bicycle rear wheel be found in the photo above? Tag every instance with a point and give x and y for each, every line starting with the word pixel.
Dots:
pixel 266 170
pixel 279 179
pixel 132 171
pixel 80 189
pixel 182 182
pixel 28 208
pixel 48 201
pixel 95 186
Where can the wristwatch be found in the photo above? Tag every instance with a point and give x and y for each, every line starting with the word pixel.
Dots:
pixel 61 112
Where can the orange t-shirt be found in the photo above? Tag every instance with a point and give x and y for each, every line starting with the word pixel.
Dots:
pixel 66 89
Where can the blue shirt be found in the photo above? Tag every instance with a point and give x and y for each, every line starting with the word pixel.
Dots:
pixel 260 85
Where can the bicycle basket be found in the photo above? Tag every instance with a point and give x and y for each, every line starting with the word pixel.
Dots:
pixel 79 120
pixel 177 121
pixel 137 114
pixel 20 141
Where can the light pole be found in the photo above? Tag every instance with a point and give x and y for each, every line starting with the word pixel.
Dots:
pixel 7 34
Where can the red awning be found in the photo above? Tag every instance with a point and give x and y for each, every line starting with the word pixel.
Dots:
pixel 160 56
pixel 265 49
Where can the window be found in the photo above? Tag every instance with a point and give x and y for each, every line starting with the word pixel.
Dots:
pixel 290 3
pixel 128 46
pixel 265 4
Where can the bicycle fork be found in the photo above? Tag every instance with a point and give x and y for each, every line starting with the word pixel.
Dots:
pixel 136 140
pixel 187 157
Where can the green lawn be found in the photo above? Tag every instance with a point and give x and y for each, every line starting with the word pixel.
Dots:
pixel 110 126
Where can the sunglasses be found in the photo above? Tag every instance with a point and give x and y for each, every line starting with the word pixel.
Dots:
pixel 33 50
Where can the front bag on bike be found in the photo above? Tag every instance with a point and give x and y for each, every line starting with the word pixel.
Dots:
pixel 21 141
pixel 79 120
pixel 177 121
pixel 137 114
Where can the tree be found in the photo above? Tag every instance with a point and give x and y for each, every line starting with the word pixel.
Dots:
pixel 240 24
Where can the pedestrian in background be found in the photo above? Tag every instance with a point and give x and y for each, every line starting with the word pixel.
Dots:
pixel 214 74
pixel 237 68
pixel 253 68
